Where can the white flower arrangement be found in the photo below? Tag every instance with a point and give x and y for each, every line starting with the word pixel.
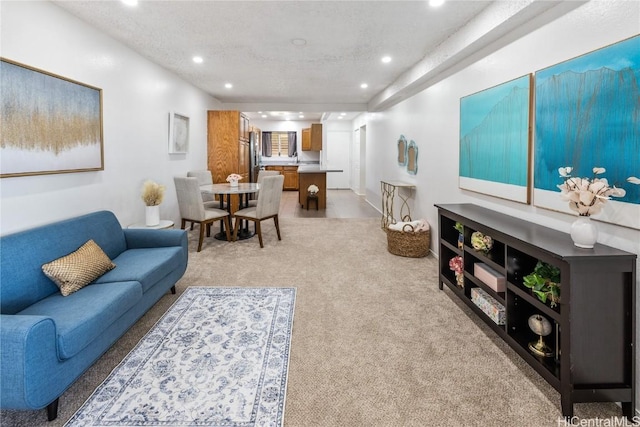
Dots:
pixel 234 177
pixel 152 193
pixel 588 196
pixel 313 189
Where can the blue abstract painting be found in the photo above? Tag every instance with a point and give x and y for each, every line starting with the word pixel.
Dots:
pixel 495 140
pixel 588 115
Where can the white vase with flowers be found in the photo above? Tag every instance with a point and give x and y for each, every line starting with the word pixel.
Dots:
pixel 586 196
pixel 152 195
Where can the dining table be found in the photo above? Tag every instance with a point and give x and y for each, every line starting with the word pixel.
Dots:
pixel 243 191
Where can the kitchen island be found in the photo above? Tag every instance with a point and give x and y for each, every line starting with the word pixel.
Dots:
pixel 313 174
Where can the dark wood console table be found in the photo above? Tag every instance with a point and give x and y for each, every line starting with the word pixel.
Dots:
pixel 593 326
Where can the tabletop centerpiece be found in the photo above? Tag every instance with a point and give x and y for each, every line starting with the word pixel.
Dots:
pixel 152 195
pixel 233 179
pixel 586 196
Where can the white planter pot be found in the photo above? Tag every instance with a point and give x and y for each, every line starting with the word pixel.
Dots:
pixel 584 232
pixel 152 216
pixel 233 183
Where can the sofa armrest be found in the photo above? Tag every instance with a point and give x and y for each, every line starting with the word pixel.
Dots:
pixel 27 361
pixel 139 238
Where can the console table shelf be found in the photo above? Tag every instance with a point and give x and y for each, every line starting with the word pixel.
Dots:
pixel 592 327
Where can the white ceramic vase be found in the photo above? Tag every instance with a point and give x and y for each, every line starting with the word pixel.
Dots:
pixel 584 232
pixel 233 183
pixel 152 215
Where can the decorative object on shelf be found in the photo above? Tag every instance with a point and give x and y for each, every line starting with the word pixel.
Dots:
pixel 583 232
pixel 460 228
pixel 495 137
pixel 586 197
pixel 233 179
pixel 152 195
pixel 540 326
pixel 178 133
pixel 456 264
pixel 544 282
pixel 50 124
pixel 489 305
pixel 313 189
pixel 480 242
pixel 490 277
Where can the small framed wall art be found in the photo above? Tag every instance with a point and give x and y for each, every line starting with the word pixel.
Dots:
pixel 178 133
pixel 50 124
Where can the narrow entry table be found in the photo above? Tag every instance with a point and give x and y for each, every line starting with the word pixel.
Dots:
pixel 388 189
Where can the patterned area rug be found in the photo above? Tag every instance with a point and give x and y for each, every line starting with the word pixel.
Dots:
pixel 218 357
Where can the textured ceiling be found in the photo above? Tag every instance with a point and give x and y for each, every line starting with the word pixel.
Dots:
pixel 249 44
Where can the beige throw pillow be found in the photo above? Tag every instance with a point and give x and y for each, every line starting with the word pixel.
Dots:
pixel 76 270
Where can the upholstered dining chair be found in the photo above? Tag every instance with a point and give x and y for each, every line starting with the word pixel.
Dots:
pixel 267 207
pixel 261 175
pixel 204 178
pixel 192 208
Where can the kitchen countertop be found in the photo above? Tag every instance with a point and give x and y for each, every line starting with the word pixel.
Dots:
pixel 316 169
pixel 279 164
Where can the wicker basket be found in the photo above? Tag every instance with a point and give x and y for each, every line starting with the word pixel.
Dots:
pixel 408 243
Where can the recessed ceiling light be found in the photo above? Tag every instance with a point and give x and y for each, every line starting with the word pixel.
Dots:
pixel 364 85
pixel 339 117
pixel 301 116
pixel 298 42
pixel 228 85
pixel 343 114
pixel 198 59
pixel 130 2
pixel 386 59
pixel 264 116
pixel 436 3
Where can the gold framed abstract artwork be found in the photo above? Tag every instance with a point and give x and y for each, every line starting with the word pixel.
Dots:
pixel 50 124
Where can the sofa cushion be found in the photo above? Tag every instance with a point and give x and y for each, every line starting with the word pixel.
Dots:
pixel 145 265
pixel 84 315
pixel 76 270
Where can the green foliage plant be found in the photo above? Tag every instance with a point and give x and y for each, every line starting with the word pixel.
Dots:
pixel 544 282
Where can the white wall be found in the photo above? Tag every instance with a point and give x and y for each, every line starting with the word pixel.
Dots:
pixel 137 97
pixel 431 118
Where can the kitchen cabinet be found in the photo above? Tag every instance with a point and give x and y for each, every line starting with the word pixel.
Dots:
pixel 290 176
pixel 228 145
pixel 312 138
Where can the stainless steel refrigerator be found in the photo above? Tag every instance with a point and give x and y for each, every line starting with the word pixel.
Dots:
pixel 254 155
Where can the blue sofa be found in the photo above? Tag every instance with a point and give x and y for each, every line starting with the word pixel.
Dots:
pixel 47 341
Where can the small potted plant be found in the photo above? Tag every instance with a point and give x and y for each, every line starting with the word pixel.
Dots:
pixel 460 228
pixel 544 282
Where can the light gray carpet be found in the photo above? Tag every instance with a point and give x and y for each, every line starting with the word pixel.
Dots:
pixel 375 343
